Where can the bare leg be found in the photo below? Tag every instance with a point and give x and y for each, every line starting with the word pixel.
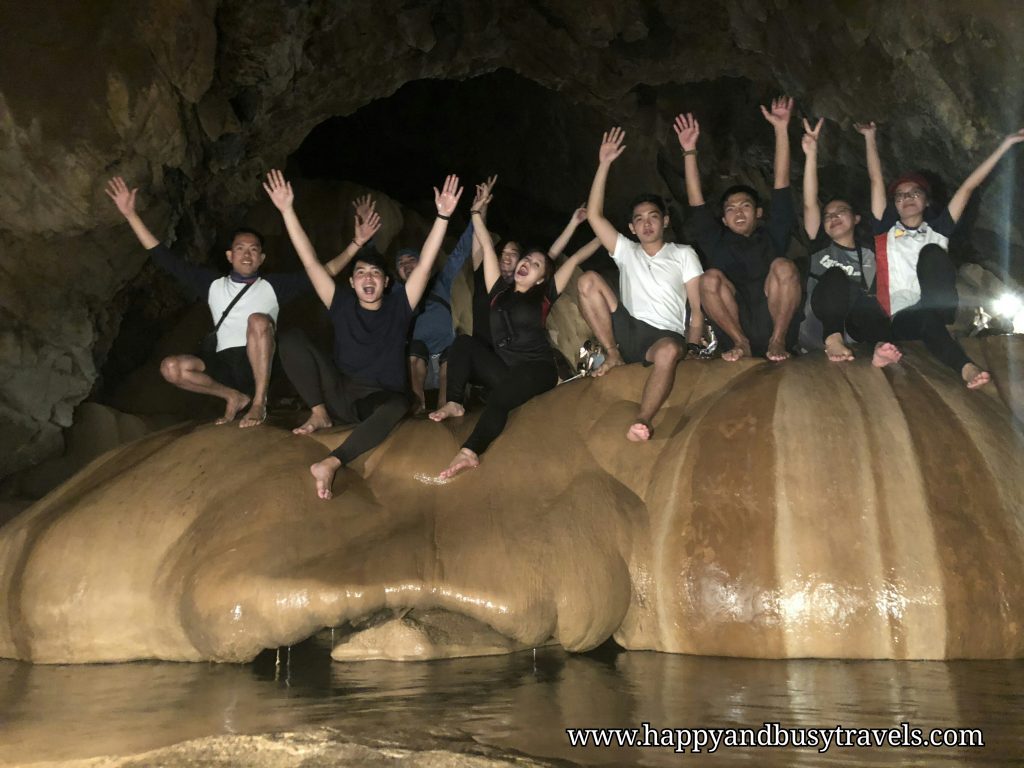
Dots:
pixel 464 459
pixel 718 300
pixel 187 372
pixel 885 354
pixel 318 419
pixel 974 376
pixel 446 411
pixel 597 302
pixel 782 287
pixel 665 354
pixel 259 345
pixel 417 376
pixel 836 349
pixel 324 472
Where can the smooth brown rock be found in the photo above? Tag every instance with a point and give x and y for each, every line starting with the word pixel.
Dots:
pixel 804 509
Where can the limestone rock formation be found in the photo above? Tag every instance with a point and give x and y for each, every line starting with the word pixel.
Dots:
pixel 192 100
pixel 793 510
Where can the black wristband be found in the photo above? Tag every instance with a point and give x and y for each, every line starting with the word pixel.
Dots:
pixel 689 152
pixel 357 243
pixel 443 217
pixel 471 212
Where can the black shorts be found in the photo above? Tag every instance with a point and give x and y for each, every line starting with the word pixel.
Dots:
pixel 417 348
pixel 635 337
pixel 756 321
pixel 231 367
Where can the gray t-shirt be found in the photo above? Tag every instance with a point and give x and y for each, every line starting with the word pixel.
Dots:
pixel 858 264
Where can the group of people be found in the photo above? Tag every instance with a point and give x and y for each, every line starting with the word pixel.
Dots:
pixel 390 346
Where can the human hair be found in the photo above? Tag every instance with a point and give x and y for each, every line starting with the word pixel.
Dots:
pixel 246 231
pixel 540 289
pixel 840 199
pixel 737 189
pixel 912 178
pixel 508 241
pixel 371 257
pixel 648 197
pixel 406 252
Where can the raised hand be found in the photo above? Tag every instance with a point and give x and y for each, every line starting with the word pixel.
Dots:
pixel 123 197
pixel 809 142
pixel 448 197
pixel 780 111
pixel 865 129
pixel 279 190
pixel 366 227
pixel 580 215
pixel 687 131
pixel 611 145
pixel 482 197
pixel 364 205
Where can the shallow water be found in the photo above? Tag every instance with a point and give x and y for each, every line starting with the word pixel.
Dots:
pixel 521 703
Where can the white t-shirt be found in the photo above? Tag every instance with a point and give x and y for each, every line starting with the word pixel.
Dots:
pixel 260 298
pixel 653 288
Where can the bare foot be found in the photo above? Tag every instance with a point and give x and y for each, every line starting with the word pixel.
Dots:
pixel 612 359
pixel 974 376
pixel 448 410
pixel 256 416
pixel 324 472
pixel 640 431
pixel 885 354
pixel 777 351
pixel 836 350
pixel 313 423
pixel 741 350
pixel 235 403
pixel 464 459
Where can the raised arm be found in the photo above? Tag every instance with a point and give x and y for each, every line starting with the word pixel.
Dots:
pixel 564 273
pixel 364 231
pixel 812 205
pixel 688 131
pixel 478 251
pixel 868 131
pixel 124 199
pixel 445 201
pixel 961 197
pixel 283 198
pixel 577 218
pixel 611 148
pixel 778 116
pixel 492 272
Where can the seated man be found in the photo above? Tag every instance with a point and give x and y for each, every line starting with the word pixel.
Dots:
pixel 238 371
pixel 751 290
pixel 656 281
pixel 364 384
pixel 916 278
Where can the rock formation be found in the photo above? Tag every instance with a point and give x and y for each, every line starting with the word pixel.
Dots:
pixel 793 510
pixel 192 100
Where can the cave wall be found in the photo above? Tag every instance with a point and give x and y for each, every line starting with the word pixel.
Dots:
pixel 192 100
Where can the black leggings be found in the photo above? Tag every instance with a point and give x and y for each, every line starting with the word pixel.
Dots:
pixel 843 305
pixel 376 411
pixel 926 321
pixel 472 360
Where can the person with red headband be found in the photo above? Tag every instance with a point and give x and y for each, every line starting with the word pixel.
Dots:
pixel 915 278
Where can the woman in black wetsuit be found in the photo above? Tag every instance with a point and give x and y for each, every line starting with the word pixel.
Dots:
pixel 521 363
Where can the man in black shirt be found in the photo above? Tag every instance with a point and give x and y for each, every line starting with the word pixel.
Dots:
pixel 751 291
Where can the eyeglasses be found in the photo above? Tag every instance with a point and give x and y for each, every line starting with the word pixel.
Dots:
pixel 913 194
pixel 837 214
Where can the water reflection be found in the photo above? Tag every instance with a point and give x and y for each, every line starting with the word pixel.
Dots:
pixel 521 703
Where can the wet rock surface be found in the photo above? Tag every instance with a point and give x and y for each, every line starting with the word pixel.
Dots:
pixel 193 100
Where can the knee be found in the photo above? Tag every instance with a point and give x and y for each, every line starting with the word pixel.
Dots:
pixel 589 285
pixel 711 282
pixel 667 354
pixel 784 270
pixel 260 324
pixel 170 369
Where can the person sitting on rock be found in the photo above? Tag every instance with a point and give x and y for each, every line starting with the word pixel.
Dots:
pixel 656 280
pixel 841 303
pixel 521 363
pixel 238 371
pixel 751 291
pixel 365 384
pixel 916 278
pixel 509 252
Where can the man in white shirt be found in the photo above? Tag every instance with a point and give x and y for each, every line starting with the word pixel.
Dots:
pixel 656 279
